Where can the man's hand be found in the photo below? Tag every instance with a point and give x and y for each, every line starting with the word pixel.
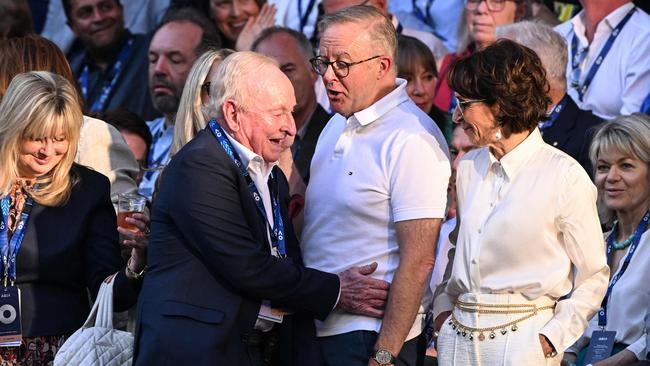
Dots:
pixel 362 294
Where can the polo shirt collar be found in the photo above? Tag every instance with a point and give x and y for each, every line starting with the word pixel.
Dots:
pixel 384 105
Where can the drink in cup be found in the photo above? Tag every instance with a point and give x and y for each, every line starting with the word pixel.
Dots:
pixel 127 205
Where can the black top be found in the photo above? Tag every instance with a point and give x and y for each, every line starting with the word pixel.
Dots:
pixel 68 251
pixel 572 132
pixel 303 148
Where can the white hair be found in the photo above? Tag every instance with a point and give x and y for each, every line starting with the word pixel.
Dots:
pixel 236 77
pixel 549 45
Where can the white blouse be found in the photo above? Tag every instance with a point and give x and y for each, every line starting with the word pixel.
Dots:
pixel 628 304
pixel 527 224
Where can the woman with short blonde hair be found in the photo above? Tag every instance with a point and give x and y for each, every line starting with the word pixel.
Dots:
pixel 55 104
pixel 58 223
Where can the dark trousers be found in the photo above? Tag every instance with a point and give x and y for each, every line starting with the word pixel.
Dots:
pixel 356 348
pixel 259 348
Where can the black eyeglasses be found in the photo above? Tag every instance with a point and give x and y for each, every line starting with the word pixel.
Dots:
pixel 206 87
pixel 341 68
pixel 461 104
pixel 493 5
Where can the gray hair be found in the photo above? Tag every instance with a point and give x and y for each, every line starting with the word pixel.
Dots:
pixel 549 45
pixel 301 40
pixel 237 75
pixel 380 31
pixel 627 135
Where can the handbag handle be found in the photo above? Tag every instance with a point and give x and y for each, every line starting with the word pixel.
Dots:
pixel 101 314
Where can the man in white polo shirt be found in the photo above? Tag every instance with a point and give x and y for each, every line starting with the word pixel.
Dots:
pixel 377 191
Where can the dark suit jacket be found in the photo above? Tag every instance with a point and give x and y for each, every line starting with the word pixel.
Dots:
pixel 210 264
pixel 67 251
pixel 303 148
pixel 572 133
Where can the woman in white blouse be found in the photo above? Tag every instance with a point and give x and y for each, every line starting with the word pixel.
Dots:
pixel 529 267
pixel 620 152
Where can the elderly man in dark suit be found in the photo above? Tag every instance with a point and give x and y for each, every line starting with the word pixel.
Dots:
pixel 223 257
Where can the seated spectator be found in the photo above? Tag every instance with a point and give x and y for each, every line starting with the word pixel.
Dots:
pixel 608 43
pixel 182 37
pixel 476 31
pixel 193 113
pixel 111 66
pixel 416 64
pixel 140 16
pixel 135 132
pixel 241 21
pixel 567 127
pixel 58 217
pixel 620 152
pixel 16 19
pixel 101 147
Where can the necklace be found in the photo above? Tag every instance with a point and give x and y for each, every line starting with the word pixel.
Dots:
pixel 624 244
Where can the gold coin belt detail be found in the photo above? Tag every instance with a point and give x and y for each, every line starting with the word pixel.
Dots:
pixel 530 310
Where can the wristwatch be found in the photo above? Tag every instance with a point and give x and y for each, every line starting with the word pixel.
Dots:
pixel 383 357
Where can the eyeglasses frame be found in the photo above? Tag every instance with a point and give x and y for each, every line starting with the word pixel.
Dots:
pixel 331 63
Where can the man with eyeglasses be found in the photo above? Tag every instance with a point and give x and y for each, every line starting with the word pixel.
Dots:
pixel 609 69
pixel 377 191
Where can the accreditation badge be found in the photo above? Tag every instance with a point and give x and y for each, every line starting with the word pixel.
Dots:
pixel 600 346
pixel 10 325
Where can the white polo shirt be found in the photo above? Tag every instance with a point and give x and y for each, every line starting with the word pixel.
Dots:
pixel 384 164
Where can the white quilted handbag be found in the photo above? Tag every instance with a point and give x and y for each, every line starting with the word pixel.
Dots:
pixel 98 344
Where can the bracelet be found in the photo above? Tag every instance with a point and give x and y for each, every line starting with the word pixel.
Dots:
pixel 132 274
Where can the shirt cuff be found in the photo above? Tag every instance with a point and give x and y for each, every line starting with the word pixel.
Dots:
pixel 553 331
pixel 442 303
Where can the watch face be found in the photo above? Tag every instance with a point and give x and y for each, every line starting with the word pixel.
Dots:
pixel 383 357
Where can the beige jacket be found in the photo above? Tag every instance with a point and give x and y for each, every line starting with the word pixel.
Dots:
pixel 102 148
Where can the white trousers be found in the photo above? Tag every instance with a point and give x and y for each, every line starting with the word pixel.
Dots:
pixel 514 348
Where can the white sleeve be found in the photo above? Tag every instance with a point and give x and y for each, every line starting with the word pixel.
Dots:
pixel 419 175
pixel 577 221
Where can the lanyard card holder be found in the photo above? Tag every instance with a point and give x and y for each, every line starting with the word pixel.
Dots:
pixel 10 325
pixel 600 346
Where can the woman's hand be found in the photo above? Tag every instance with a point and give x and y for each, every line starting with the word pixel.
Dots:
pixel 547 347
pixel 622 358
pixel 138 240
pixel 569 359
pixel 254 27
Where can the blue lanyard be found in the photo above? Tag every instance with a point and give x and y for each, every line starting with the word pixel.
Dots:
pixel 304 17
pixel 425 16
pixel 9 249
pixel 554 114
pixel 277 230
pixel 99 104
pixel 575 59
pixel 154 162
pixel 602 314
